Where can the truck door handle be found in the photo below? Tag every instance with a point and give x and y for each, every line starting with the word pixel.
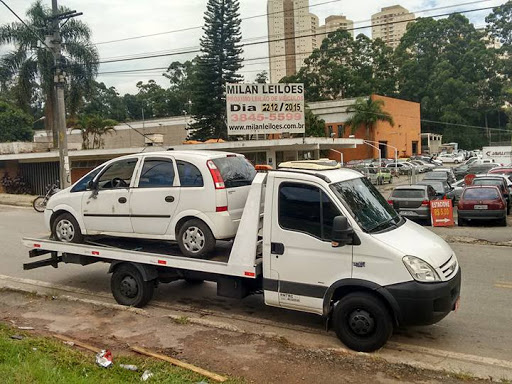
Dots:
pixel 169 199
pixel 276 248
pixel 122 200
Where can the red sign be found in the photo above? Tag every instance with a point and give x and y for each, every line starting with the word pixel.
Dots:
pixel 441 213
pixel 468 179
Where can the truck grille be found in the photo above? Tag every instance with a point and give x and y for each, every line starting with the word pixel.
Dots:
pixel 449 268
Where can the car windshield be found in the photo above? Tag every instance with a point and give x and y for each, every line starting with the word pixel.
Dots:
pixel 437 185
pixel 366 205
pixel 480 194
pixel 408 193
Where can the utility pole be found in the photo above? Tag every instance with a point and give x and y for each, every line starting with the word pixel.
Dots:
pixel 59 102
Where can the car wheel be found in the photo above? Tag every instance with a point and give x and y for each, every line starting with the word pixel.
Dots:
pixel 65 228
pixel 461 222
pixel 362 322
pixel 195 239
pixel 129 288
pixel 456 161
pixel 390 179
pixel 503 222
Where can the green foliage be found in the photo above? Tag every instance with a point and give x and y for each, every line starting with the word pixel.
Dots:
pixel 15 125
pixel 315 127
pixel 499 24
pixel 343 68
pixel 29 68
pixel 366 113
pixel 261 77
pixel 218 64
pixel 93 128
pixel 106 103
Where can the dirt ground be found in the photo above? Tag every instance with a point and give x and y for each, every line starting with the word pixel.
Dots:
pixel 255 359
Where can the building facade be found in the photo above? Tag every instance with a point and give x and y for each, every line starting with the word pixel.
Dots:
pixel 390 24
pixel 293 34
pixel 404 135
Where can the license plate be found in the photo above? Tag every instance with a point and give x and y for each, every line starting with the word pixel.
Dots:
pixel 407 213
pixel 484 206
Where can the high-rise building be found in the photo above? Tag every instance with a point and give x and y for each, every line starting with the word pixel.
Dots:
pixel 390 24
pixel 293 34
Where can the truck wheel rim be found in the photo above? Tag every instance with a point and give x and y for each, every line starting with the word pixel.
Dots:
pixel 361 322
pixel 65 231
pixel 129 287
pixel 193 239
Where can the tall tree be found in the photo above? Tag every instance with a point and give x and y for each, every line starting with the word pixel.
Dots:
pixel 93 128
pixel 218 64
pixel 261 77
pixel 315 126
pixel 15 125
pixel 30 65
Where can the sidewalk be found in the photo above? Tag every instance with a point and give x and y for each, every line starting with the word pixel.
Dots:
pixel 18 200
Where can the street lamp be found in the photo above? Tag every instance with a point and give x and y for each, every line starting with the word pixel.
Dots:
pixel 376 147
pixel 396 153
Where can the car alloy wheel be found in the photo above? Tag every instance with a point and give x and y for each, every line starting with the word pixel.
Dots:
pixel 65 231
pixel 194 239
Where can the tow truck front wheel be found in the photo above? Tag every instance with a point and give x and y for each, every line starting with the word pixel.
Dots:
pixel 129 288
pixel 362 322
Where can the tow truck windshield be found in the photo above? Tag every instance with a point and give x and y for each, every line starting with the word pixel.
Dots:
pixel 366 205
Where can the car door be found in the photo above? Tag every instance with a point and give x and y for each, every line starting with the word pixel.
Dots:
pixel 302 256
pixel 106 208
pixel 155 196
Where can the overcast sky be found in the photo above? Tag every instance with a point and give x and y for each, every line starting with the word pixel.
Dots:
pixel 119 19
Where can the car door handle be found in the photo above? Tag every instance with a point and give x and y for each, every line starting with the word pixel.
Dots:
pixel 276 248
pixel 169 199
pixel 122 200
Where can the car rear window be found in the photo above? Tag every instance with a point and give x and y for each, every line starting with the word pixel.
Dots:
pixel 482 181
pixel 437 176
pixel 480 194
pixel 408 193
pixel 236 171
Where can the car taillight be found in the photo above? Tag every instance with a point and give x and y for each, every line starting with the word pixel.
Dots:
pixel 224 208
pixel 216 176
pixel 425 203
pixel 390 202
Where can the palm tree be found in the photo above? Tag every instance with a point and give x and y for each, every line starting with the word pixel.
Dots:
pixel 93 128
pixel 367 112
pixel 29 67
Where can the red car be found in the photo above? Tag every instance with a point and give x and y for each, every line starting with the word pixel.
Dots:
pixel 482 203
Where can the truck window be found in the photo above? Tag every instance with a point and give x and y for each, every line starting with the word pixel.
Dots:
pixel 307 209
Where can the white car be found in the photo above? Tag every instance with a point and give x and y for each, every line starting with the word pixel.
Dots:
pixel 193 197
pixel 451 158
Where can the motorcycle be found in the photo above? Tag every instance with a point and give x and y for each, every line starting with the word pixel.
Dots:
pixel 40 202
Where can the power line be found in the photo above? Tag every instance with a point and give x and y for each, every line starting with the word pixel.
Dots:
pixel 177 51
pixel 200 26
pixel 290 38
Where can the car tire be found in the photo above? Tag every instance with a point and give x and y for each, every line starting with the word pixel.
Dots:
pixel 129 288
pixel 195 239
pixel 503 222
pixel 461 222
pixel 65 228
pixel 362 322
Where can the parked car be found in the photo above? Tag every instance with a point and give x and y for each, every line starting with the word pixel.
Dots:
pixel 413 201
pixel 480 168
pixel 429 166
pixel 451 175
pixel 440 186
pixel 403 168
pixel 450 158
pixel 193 197
pixel 439 175
pixel 505 171
pixel 421 167
pixel 481 203
pixel 499 181
pixel 456 191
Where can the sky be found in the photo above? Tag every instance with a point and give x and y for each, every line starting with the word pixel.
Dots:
pixel 121 19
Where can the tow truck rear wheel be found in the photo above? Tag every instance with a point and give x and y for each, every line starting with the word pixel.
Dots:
pixel 362 322
pixel 129 288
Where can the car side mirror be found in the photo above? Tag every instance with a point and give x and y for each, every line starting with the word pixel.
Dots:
pixel 92 185
pixel 342 232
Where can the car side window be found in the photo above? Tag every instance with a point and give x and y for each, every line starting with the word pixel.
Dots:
pixel 117 175
pixel 307 209
pixel 190 175
pixel 81 185
pixel 157 173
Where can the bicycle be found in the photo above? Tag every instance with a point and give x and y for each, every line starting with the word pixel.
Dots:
pixel 40 201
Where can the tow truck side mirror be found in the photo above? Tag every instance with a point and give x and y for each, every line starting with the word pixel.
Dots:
pixel 342 232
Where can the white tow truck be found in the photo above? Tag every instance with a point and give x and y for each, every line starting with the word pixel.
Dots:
pixel 322 241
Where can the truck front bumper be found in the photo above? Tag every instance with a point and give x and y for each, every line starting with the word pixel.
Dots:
pixel 425 303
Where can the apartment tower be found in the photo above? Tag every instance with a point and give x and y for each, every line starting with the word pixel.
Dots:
pixel 293 34
pixel 390 24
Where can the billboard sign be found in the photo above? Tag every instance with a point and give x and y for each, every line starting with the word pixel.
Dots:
pixel 265 108
pixel 441 212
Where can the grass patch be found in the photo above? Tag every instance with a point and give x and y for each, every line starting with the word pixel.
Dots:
pixel 45 360
pixel 182 320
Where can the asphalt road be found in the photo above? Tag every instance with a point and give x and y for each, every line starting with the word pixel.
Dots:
pixel 482 326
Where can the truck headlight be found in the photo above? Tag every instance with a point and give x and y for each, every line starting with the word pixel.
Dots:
pixel 420 270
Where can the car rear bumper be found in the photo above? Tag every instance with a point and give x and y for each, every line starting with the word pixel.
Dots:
pixel 425 303
pixel 415 213
pixel 484 214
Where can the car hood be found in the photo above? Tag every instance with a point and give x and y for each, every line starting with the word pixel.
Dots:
pixel 414 240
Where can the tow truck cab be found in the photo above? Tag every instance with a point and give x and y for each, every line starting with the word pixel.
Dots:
pixel 333 246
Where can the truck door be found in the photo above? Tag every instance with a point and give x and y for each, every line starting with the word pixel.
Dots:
pixel 302 257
